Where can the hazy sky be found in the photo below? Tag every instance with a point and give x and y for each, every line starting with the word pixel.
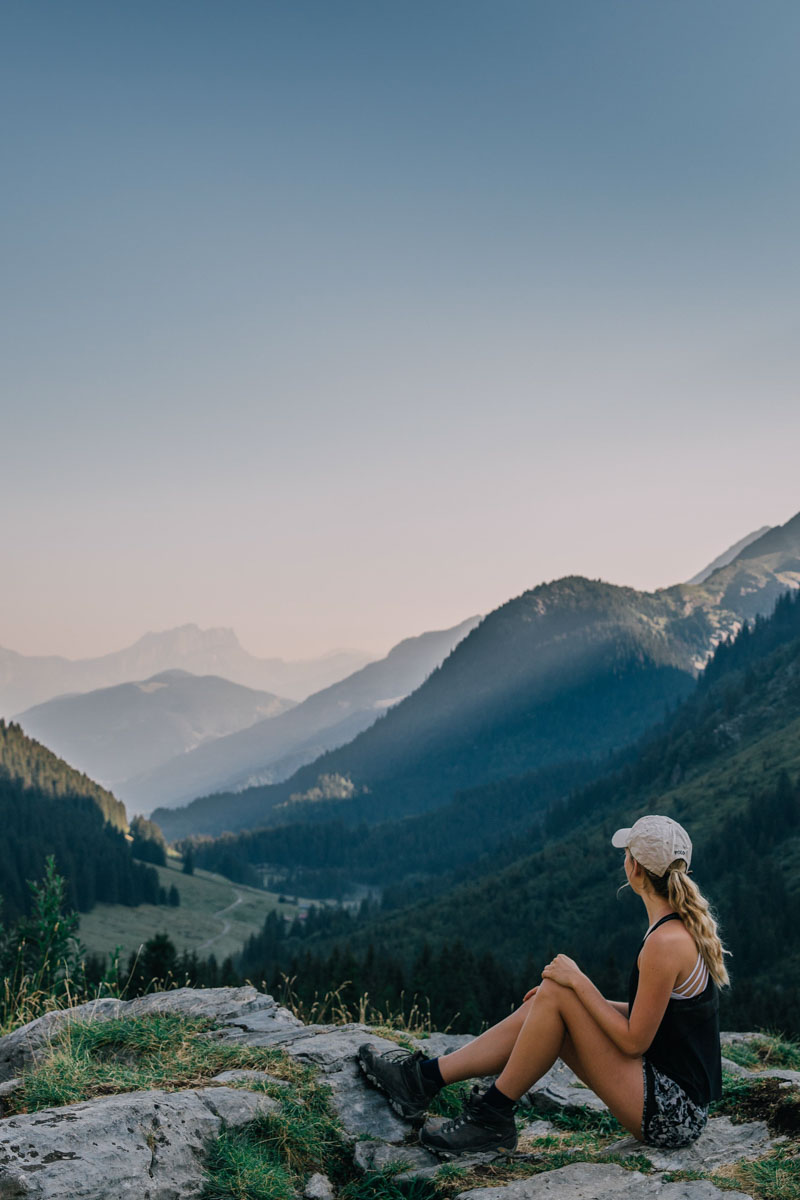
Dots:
pixel 334 322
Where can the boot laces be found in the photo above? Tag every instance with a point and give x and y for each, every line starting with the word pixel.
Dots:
pixel 401 1056
pixel 470 1113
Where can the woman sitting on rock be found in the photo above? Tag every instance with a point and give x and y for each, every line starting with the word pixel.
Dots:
pixel 654 1060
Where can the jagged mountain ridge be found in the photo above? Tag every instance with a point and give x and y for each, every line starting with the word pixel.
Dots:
pixel 112 733
pixel 26 680
pixel 572 669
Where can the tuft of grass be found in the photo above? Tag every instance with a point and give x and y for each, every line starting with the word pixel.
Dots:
pixel 382 1185
pixel 766 1050
pixel 587 1120
pixel 686 1176
pixel 157 1050
pixel 775 1177
pixel 237 1169
pixel 767 1100
pixel 271 1156
pixel 450 1100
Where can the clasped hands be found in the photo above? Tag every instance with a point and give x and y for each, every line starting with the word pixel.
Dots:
pixel 561 970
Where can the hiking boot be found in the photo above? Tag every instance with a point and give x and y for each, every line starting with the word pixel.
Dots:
pixel 479 1128
pixel 398 1075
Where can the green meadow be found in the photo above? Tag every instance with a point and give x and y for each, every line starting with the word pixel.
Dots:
pixel 197 924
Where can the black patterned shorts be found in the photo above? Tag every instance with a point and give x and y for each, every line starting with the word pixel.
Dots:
pixel 670 1119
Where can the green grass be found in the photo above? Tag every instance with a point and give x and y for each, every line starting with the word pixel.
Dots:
pixel 158 1050
pixel 190 924
pixel 767 1100
pixel 765 1050
pixel 272 1156
pixel 382 1185
pixel 587 1120
pixel 776 1177
pixel 450 1100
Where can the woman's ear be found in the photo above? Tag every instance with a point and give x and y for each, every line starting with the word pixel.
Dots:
pixel 637 870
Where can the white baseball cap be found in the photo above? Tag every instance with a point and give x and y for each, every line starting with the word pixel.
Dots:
pixel 655 842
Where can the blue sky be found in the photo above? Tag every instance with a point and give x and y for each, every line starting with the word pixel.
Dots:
pixel 334 322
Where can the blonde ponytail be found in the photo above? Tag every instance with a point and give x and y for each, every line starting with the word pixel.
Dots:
pixel 693 909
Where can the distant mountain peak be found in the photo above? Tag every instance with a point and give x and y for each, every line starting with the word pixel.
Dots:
pixel 727 556
pixel 191 635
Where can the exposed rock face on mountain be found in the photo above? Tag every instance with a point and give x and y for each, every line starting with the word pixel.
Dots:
pixel 26 680
pixel 154 1144
pixel 115 732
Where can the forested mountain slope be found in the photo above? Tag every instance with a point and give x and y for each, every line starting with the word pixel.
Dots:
pixel 569 671
pixel 48 808
pixel 726 764
pixel 27 762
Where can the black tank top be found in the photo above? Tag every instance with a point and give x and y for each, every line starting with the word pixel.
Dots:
pixel 686 1045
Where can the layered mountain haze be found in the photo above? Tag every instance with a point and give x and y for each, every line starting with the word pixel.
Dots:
pixel 571 670
pixel 28 680
pixel 272 750
pixel 115 732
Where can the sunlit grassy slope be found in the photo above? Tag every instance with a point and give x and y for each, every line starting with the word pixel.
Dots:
pixel 191 924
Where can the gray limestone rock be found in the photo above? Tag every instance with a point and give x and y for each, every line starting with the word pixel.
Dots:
pixel 362 1110
pixel 374 1155
pixel 319 1187
pixel 329 1049
pixel 560 1088
pixel 441 1043
pixel 417 1161
pixel 720 1143
pixel 236 1106
pixel 597 1181
pixel 147 1145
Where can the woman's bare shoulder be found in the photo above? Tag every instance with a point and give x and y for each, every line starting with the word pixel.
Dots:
pixel 671 939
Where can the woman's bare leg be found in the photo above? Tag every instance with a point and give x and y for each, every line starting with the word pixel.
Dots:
pixel 553 1024
pixel 488 1053
pixel 558 1026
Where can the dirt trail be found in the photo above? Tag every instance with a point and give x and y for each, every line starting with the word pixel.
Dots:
pixel 225 924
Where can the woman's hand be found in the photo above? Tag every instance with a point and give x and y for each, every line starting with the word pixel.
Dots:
pixel 563 970
pixel 532 992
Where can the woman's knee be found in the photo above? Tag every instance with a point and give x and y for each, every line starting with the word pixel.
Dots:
pixel 550 990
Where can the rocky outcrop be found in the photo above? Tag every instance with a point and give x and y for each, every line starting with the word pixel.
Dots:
pixel 152 1144
pixel 19 1050
pixel 144 1145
